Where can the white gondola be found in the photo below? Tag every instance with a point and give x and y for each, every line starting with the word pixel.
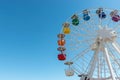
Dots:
pixel 69 72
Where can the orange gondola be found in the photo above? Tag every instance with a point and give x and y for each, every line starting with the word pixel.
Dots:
pixel 61 42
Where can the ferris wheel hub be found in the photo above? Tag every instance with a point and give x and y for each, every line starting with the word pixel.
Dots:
pixel 106 34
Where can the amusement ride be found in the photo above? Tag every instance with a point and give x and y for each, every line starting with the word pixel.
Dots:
pixel 89 44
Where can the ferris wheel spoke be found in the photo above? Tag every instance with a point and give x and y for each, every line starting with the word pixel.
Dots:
pixel 109 63
pixel 115 60
pixel 116 70
pixel 76 42
pixel 116 27
pixel 114 57
pixel 81 41
pixel 85 26
pixel 77 71
pixel 88 31
pixel 93 22
pixel 118 33
pixel 77 56
pixel 116 63
pixel 73 48
pixel 93 63
pixel 100 64
pixel 89 26
pixel 78 35
pixel 82 35
pixel 77 46
pixel 81 28
pixel 80 68
pixel 105 70
pixel 117 42
pixel 100 23
pixel 114 52
pixel 116 46
pixel 84 58
pixel 80 54
pixel 109 21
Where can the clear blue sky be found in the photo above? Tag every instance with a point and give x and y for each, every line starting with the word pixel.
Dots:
pixel 28 30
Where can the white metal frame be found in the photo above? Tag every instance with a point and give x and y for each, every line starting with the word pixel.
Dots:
pixel 89 38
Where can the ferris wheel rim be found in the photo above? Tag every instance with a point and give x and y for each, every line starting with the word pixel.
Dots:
pixel 104 49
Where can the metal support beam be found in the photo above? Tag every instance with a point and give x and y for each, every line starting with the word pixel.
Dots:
pixel 109 64
pixel 98 67
pixel 116 47
pixel 93 64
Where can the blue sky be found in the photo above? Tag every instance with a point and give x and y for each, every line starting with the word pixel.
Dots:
pixel 28 30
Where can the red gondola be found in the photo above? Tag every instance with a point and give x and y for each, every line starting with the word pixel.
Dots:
pixel 61 57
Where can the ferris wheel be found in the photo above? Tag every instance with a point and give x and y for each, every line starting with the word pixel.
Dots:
pixel 89 44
